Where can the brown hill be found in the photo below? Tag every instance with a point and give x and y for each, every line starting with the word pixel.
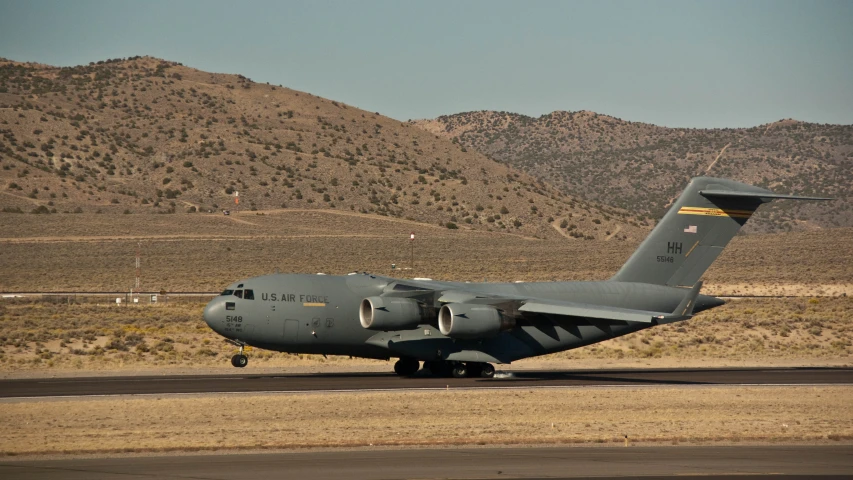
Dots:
pixel 144 135
pixel 640 167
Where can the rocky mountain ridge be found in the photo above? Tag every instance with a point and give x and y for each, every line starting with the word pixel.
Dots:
pixel 640 167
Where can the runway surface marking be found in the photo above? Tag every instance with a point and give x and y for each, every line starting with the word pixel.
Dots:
pixel 422 389
pixel 729 462
pixel 380 382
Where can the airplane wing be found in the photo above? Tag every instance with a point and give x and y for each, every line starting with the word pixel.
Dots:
pixel 476 315
pixel 562 308
pixel 445 294
pixel 573 309
pixel 478 298
pixel 580 310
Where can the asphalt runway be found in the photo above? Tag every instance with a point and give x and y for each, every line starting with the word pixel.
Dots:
pixel 736 462
pixel 247 382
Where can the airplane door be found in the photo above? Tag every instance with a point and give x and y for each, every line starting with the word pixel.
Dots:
pixel 291 327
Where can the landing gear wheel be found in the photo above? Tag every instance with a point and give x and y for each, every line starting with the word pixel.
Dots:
pixel 487 370
pixel 406 367
pixel 438 368
pixel 239 360
pixel 460 370
pixel 474 369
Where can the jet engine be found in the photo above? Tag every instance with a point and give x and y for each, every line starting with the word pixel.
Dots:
pixel 462 320
pixel 389 313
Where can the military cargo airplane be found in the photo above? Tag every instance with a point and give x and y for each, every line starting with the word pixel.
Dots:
pixel 460 329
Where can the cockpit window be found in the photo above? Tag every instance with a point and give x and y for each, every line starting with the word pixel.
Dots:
pixel 226 293
pixel 238 293
pixel 249 294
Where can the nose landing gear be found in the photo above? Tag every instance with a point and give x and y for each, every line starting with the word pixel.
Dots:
pixel 240 360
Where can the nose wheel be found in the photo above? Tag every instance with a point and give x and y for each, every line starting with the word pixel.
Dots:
pixel 240 360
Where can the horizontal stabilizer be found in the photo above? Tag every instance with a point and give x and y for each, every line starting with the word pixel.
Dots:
pixel 770 195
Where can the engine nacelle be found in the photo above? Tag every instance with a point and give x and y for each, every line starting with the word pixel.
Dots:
pixel 467 321
pixel 389 313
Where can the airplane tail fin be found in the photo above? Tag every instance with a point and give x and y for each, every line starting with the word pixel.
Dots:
pixel 695 230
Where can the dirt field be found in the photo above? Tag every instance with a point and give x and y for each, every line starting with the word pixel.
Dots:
pixel 56 338
pixel 90 252
pixel 518 417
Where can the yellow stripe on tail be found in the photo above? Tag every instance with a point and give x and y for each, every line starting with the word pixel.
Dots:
pixel 715 212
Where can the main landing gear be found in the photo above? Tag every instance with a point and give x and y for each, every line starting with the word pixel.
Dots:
pixel 240 360
pixel 406 367
pixel 460 369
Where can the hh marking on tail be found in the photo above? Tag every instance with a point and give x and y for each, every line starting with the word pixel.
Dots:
pixel 673 247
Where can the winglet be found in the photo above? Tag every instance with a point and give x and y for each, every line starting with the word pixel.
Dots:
pixel 684 310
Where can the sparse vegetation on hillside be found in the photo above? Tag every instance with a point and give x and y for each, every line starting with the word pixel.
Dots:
pixel 144 135
pixel 641 167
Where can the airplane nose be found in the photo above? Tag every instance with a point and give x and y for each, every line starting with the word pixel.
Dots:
pixel 213 313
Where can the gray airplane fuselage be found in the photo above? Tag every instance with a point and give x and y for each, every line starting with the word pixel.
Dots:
pixel 319 314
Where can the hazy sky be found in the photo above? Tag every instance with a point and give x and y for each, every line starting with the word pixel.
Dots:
pixel 681 63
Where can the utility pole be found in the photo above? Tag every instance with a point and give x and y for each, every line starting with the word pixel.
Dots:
pixel 138 265
pixel 412 242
